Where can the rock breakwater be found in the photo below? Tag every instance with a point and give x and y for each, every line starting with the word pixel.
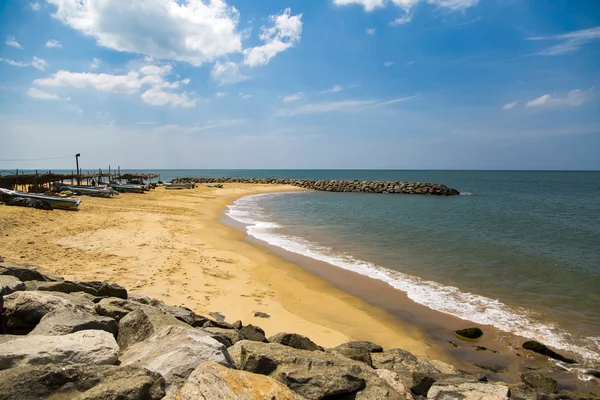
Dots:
pixel 385 187
pixel 108 344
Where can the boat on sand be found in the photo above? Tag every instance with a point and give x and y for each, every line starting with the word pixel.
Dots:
pixel 63 203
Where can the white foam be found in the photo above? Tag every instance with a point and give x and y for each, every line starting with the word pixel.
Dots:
pixel 443 298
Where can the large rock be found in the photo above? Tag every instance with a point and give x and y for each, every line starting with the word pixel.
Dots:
pixel 85 347
pixel 538 382
pixel 355 354
pixel 294 340
pixel 63 322
pixel 470 333
pixel 183 314
pixel 228 337
pixel 95 288
pixel 24 310
pixel 402 361
pixel 10 284
pixel 467 389
pixel 24 272
pixel 542 349
pixel 215 382
pixel 254 333
pixel 363 345
pixel 312 374
pixel 117 308
pixel 79 382
pixel 174 352
pixel 140 324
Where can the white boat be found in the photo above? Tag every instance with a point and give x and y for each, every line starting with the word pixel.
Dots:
pixel 64 203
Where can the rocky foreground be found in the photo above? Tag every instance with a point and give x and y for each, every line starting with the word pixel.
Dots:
pixel 93 340
pixel 434 189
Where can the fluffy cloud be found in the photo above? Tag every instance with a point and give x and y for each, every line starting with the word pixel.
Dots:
pixel 574 98
pixel 335 89
pixel 371 31
pixel 509 105
pixel 245 96
pixel 568 42
pixel 35 63
pixel 152 76
pixel 284 34
pixel 40 94
pixel 95 63
pixel 12 42
pixel 292 97
pixel 227 73
pixel 193 31
pixel 35 6
pixel 369 5
pixel 53 44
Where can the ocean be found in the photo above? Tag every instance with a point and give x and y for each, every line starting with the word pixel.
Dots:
pixel 518 250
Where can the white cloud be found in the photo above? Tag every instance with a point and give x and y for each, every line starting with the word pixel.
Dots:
pixel 153 76
pixel 35 6
pixel 221 94
pixel 35 63
pixel 54 44
pixel 388 63
pixel 12 42
pixel 509 105
pixel 574 98
pixel 403 19
pixel 75 109
pixel 284 34
pixel 40 94
pixel 227 73
pixel 95 63
pixel 245 96
pixel 335 89
pixel 292 97
pixel 369 5
pixel 569 42
pixel 321 108
pixel 371 31
pixel 193 31
pixel 187 129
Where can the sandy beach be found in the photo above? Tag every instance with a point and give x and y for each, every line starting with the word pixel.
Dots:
pixel 171 245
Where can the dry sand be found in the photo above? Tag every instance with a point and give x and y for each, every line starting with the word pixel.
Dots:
pixel 170 245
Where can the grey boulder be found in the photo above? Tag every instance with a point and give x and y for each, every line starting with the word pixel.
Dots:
pixel 538 382
pixel 84 347
pixel 95 288
pixel 24 272
pixel 24 310
pixel 174 352
pixel 117 308
pixel 140 324
pixel 79 382
pixel 63 322
pixel 228 337
pixel 467 389
pixel 294 340
pixel 368 346
pixel 10 284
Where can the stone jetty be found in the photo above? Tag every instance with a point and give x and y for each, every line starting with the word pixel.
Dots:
pixel 386 187
pixel 79 340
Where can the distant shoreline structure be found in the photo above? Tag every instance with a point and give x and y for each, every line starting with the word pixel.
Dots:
pixel 384 187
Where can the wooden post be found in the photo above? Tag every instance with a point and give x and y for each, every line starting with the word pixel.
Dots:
pixel 78 173
pixel 36 181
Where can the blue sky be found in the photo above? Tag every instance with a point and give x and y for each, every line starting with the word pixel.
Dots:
pixel 418 84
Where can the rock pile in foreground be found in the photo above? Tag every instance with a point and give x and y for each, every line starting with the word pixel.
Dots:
pixel 93 340
pixel 434 189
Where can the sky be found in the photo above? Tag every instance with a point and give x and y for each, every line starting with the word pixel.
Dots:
pixel 324 84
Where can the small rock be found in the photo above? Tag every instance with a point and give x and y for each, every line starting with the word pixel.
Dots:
pixel 470 333
pixel 259 314
pixel 542 349
pixel 228 337
pixel 63 322
pixel 367 346
pixel 217 324
pixel 140 324
pixel 539 382
pixel 10 284
pixel 217 316
pixel 466 389
pixel 237 325
pixel 253 333
pixel 24 272
pixel 355 354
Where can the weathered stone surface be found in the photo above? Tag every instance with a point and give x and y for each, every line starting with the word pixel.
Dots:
pixel 10 284
pixel 217 324
pixel 367 346
pixel 253 333
pixel 522 392
pixel 116 308
pixel 63 322
pixel 260 314
pixel 444 368
pixel 401 361
pixel 24 310
pixel 217 316
pixel 537 381
pixel 142 323
pixel 465 389
pixel 228 337
pixel 395 381
pixel 24 272
pixel 311 374
pixel 174 352
pixel 84 347
pixel 215 382
pixel 542 349
pixel 355 354
pixel 470 333
pixel 94 288
pixel 294 340
pixel 79 382
pixel 183 314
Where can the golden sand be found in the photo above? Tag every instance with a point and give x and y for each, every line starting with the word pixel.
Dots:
pixel 170 245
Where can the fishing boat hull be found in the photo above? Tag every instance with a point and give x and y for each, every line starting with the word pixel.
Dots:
pixel 99 191
pixel 62 203
pixel 128 188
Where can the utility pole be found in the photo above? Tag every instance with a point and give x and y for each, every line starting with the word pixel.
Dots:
pixel 77 163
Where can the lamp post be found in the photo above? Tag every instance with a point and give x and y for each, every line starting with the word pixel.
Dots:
pixel 77 163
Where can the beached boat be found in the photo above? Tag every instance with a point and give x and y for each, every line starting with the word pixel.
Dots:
pixel 124 188
pixel 179 186
pixel 94 191
pixel 63 203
